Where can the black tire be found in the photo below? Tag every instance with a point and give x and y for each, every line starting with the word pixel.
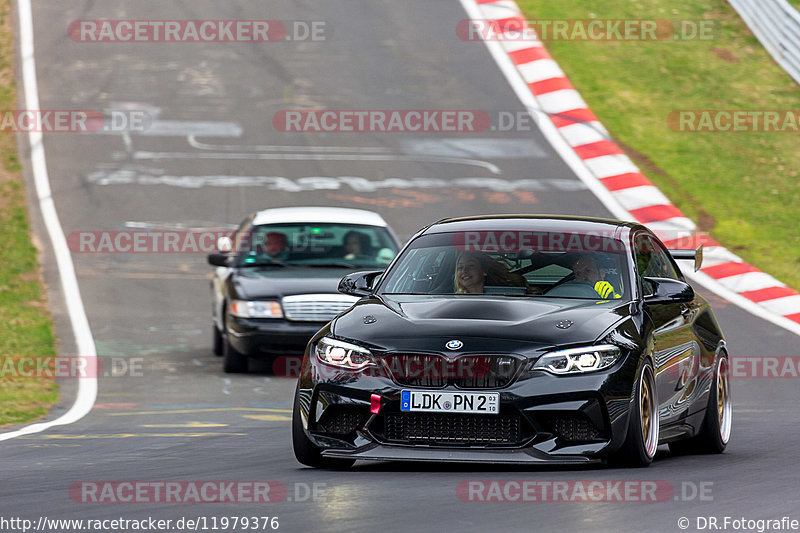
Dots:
pixel 716 429
pixel 306 452
pixel 217 340
pixel 641 441
pixel 233 362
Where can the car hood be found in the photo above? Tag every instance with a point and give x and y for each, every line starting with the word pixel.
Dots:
pixel 427 323
pixel 276 282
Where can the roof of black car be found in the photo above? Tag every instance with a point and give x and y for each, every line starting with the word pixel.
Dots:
pixel 530 223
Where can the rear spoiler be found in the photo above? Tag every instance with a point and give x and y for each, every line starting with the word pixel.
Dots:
pixel 697 255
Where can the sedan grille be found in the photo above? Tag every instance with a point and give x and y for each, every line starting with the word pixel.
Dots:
pixel 316 307
pixel 464 372
pixel 437 428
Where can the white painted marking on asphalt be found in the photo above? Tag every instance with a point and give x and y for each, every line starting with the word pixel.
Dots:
pixel 474 148
pixel 539 70
pixel 184 128
pixel 225 383
pixel 87 387
pixel 194 143
pixel 159 156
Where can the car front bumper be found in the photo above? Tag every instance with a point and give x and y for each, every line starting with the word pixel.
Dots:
pixel 269 337
pixel 561 419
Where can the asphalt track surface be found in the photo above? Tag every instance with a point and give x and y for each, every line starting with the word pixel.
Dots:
pixel 180 418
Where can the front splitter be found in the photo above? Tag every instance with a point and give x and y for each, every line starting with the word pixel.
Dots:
pixel 449 455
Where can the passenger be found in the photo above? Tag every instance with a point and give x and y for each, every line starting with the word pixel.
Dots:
pixel 475 270
pixel 586 269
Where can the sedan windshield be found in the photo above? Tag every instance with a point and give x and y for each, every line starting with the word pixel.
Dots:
pixel 315 245
pixel 556 265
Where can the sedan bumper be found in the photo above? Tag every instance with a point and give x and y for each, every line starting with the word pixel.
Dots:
pixel 270 337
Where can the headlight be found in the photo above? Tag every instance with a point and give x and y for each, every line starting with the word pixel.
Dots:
pixel 343 354
pixel 578 360
pixel 255 309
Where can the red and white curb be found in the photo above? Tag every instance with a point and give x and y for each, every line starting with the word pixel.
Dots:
pixel 722 272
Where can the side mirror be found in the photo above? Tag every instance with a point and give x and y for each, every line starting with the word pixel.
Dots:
pixel 220 260
pixel 666 291
pixel 359 283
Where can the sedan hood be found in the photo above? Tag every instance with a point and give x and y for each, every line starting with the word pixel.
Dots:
pixel 424 323
pixel 276 282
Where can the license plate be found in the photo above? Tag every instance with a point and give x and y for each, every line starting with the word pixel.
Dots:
pixel 450 402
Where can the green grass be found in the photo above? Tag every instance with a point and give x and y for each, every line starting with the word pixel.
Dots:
pixel 742 188
pixel 26 329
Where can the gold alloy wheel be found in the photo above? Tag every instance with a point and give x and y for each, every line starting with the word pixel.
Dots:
pixel 648 411
pixel 724 408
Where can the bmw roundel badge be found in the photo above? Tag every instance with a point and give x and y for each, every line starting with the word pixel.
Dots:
pixel 454 344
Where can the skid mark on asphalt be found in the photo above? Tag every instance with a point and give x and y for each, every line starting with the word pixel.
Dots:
pixel 405 198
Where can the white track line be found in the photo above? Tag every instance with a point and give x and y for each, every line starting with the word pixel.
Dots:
pixel 87 387
pixel 579 167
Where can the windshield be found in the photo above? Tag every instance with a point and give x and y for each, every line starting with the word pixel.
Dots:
pixel 557 266
pixel 320 245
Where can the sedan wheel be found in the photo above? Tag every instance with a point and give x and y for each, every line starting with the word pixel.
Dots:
pixel 217 340
pixel 233 362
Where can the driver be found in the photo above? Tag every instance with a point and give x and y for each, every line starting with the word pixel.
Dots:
pixel 586 269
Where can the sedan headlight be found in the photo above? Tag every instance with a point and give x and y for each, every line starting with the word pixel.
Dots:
pixel 255 309
pixel 343 354
pixel 578 360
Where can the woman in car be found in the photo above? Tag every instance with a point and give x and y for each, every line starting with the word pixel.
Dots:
pixel 476 270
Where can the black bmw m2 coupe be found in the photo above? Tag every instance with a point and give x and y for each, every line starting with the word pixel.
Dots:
pixel 517 339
